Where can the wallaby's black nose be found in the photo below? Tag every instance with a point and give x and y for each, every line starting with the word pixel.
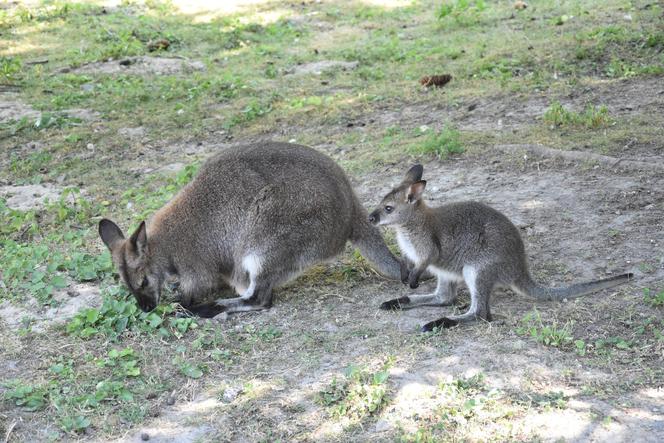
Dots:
pixel 147 306
pixel 373 218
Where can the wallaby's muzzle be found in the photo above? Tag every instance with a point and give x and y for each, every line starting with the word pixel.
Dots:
pixel 145 304
pixel 374 217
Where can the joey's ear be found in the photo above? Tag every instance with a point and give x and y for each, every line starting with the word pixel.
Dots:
pixel 139 239
pixel 415 191
pixel 414 174
pixel 110 233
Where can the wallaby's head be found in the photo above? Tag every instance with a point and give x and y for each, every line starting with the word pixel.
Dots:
pixel 400 203
pixel 133 261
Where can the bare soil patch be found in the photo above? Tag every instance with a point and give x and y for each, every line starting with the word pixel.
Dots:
pixel 13 109
pixel 141 66
pixel 67 304
pixel 26 197
pixel 317 68
pixel 514 111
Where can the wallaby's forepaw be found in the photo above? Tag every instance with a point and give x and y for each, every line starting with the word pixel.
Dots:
pixel 413 283
pixel 394 304
pixel 405 273
pixel 206 310
pixel 441 323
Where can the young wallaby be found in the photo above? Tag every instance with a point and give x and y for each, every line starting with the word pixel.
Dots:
pixel 254 217
pixel 462 242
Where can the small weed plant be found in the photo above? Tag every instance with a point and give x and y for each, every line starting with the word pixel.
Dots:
pixel 357 394
pixel 653 298
pixel 549 335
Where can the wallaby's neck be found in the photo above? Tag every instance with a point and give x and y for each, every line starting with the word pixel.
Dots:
pixel 161 231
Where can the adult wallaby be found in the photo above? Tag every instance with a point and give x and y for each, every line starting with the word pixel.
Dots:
pixel 254 217
pixel 462 242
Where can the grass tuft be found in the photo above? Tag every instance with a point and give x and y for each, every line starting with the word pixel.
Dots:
pixel 591 118
pixel 441 143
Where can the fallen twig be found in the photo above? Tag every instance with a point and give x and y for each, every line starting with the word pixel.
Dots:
pixel 604 160
pixel 9 431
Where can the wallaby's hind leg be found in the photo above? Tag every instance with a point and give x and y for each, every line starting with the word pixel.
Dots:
pixel 260 299
pixel 480 285
pixel 256 297
pixel 444 295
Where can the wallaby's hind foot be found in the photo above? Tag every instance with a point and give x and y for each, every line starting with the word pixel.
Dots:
pixel 395 304
pixel 455 320
pixel 441 323
pixel 445 295
pixel 206 310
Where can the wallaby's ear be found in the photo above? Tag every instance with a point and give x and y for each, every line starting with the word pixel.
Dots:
pixel 139 239
pixel 414 174
pixel 110 233
pixel 415 191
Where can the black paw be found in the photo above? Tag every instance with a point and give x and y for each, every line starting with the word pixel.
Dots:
pixel 414 284
pixel 206 310
pixel 394 304
pixel 441 323
pixel 405 273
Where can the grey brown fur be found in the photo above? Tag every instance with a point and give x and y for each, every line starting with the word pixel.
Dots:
pixel 254 217
pixel 463 242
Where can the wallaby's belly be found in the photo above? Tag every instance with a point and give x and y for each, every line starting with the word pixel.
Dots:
pixel 445 274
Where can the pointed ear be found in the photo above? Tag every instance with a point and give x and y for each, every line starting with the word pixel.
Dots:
pixel 110 234
pixel 414 174
pixel 415 191
pixel 139 239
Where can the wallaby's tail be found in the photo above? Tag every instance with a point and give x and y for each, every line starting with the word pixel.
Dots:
pixel 368 240
pixel 529 287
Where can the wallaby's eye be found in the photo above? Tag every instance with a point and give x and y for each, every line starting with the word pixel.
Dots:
pixel 389 209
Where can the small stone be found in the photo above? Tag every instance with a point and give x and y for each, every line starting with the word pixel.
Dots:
pixel 231 394
pixel 382 426
pixel 145 436
pixel 170 401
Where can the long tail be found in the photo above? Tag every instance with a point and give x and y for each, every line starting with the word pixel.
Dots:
pixel 529 287
pixel 368 240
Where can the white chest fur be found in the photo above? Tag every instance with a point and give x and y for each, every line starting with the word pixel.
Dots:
pixel 407 248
